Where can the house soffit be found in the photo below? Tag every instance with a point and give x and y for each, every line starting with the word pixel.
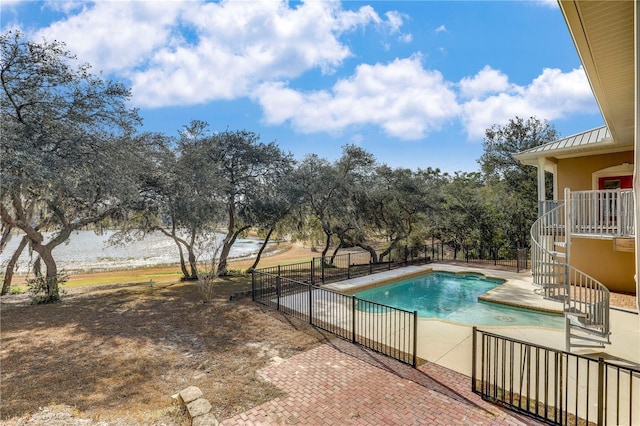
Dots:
pixel 603 33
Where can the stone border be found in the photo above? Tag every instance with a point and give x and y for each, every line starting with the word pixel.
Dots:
pixel 197 408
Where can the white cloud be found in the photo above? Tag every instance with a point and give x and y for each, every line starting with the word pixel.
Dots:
pixel 408 101
pixel 441 29
pixel 402 97
pixel 185 52
pixel 553 4
pixel 484 82
pixel 395 21
pixel 552 95
pixel 116 36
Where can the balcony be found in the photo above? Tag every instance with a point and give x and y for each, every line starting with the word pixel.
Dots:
pixel 601 214
pixel 604 214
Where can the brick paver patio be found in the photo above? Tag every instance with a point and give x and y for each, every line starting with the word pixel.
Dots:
pixel 343 384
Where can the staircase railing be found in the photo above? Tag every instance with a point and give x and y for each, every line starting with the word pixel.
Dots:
pixel 589 299
pixel 548 264
pixel 586 300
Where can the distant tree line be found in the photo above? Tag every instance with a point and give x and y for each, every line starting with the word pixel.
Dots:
pixel 72 157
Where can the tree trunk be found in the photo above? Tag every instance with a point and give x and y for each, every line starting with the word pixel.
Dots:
pixel 371 250
pixel 393 245
pixel 192 257
pixel 226 249
pixel 51 288
pixel 179 242
pixel 264 245
pixel 8 275
pixel 183 266
pixel 6 233
pixel 326 245
pixel 335 253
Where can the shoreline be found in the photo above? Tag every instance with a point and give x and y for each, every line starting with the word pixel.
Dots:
pixel 286 253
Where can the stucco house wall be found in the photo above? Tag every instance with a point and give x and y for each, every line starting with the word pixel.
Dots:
pixel 576 173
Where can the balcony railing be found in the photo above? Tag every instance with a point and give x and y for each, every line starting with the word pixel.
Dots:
pixel 606 213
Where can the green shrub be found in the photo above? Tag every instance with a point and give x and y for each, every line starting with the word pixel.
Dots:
pixel 14 289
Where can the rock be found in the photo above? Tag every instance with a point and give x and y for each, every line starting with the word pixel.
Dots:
pixel 205 420
pixel 198 407
pixel 277 360
pixel 189 394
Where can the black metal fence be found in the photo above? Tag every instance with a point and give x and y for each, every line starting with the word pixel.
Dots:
pixel 328 269
pixel 384 329
pixel 554 386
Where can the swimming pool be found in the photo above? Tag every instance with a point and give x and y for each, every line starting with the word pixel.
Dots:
pixel 454 297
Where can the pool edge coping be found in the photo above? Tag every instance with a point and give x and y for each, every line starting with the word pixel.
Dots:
pixel 488 296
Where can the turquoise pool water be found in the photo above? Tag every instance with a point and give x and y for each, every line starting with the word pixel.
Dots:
pixel 454 297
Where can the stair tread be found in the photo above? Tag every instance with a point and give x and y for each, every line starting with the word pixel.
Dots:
pixel 559 254
pixel 586 346
pixel 589 331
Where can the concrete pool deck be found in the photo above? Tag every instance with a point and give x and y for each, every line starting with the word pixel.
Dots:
pixel 449 344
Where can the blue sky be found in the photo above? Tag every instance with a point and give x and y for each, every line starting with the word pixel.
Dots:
pixel 416 83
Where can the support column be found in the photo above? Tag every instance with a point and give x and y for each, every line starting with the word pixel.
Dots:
pixel 554 166
pixel 541 186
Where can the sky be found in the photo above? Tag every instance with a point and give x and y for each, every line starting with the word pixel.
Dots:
pixel 415 83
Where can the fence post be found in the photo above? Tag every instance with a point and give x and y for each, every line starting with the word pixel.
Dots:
pixel 441 251
pixel 353 319
pixel 495 257
pixel 278 290
pixel 406 255
pixel 601 391
pixel 415 339
pixel 253 285
pixel 517 260
pixel 474 329
pixel 311 304
pixel 313 273
pixel 370 265
pixel 322 269
pixel 348 265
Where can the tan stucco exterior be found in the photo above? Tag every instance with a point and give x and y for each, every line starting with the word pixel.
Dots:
pixel 576 173
pixel 598 259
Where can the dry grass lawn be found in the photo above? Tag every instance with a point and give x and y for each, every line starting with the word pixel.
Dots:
pixel 116 354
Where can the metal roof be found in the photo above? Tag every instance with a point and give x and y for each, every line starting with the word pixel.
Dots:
pixel 580 140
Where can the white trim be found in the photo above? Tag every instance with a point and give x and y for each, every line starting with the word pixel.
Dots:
pixel 636 144
pixel 624 169
pixel 541 180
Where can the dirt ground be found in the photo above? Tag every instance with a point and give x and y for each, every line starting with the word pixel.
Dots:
pixel 117 355
pixel 114 354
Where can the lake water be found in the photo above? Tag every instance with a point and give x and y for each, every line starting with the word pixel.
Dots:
pixel 87 251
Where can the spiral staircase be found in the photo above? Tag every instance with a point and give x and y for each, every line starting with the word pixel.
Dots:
pixel 586 300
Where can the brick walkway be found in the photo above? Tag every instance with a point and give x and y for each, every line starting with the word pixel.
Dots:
pixel 626 301
pixel 343 384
